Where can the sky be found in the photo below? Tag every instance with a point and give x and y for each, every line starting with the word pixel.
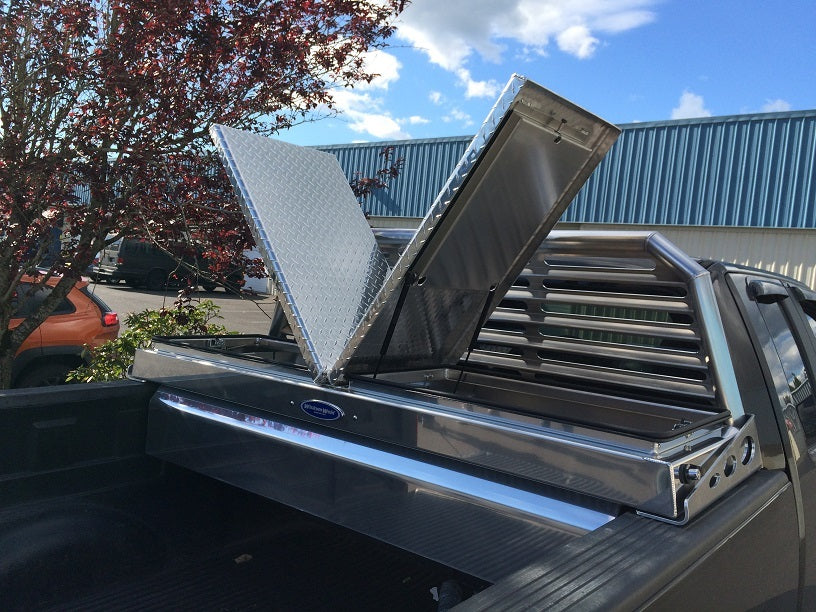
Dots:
pixel 624 60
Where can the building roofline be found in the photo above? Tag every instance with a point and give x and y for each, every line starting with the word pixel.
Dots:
pixel 386 143
pixel 719 119
pixel 623 126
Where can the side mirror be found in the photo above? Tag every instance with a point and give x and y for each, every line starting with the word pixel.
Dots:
pixel 804 296
pixel 767 292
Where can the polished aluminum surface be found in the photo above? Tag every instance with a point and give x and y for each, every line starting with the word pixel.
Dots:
pixel 715 471
pixel 616 448
pixel 349 315
pixel 588 460
pixel 529 159
pixel 420 473
pixel 315 241
pixel 406 500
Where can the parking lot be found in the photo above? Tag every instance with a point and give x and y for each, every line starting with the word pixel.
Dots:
pixel 243 314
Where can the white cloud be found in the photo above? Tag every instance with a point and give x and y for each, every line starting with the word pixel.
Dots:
pixel 378 125
pixel 690 105
pixel 530 54
pixel 384 65
pixel 436 97
pixel 477 89
pixel 450 32
pixel 366 116
pixel 614 21
pixel 362 105
pixel 776 106
pixel 459 116
pixel 578 41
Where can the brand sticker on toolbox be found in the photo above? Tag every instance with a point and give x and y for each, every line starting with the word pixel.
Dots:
pixel 322 410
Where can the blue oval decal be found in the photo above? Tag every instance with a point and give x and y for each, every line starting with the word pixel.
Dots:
pixel 322 410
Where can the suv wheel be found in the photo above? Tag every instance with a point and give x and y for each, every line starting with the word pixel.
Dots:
pixel 156 280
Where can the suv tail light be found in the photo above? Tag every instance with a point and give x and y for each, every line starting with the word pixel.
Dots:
pixel 120 260
pixel 109 319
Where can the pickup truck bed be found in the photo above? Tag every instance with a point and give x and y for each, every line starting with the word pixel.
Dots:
pixel 597 421
pixel 89 522
pixel 121 530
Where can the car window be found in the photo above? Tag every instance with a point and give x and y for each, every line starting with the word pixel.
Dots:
pixel 29 297
pixel 131 247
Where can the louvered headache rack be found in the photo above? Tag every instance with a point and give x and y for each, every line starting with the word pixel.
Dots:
pixel 602 312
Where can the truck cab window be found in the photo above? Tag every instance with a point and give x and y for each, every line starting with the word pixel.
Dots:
pixel 810 315
pixel 798 394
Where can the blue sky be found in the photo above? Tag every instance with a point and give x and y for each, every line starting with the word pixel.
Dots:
pixel 625 60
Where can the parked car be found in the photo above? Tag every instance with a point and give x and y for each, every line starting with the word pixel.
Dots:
pixel 140 263
pixel 59 345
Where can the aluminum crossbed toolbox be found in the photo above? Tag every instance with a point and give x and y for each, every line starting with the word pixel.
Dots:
pixel 600 384
pixel 600 429
pixel 351 313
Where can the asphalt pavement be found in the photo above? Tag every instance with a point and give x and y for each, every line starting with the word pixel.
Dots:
pixel 245 314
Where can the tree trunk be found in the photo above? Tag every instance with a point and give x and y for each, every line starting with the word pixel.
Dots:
pixel 6 362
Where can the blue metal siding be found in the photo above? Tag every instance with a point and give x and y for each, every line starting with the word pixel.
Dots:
pixel 752 171
pixel 746 170
pixel 428 163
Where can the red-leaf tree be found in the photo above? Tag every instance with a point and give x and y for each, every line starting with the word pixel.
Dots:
pixel 105 107
pixel 364 186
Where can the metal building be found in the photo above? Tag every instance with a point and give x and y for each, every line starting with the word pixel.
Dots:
pixel 739 188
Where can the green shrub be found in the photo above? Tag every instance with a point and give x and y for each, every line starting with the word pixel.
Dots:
pixel 111 360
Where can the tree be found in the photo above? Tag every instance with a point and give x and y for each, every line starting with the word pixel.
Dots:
pixel 185 318
pixel 115 98
pixel 364 186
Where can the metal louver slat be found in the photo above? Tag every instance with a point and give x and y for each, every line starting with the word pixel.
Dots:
pixel 600 275
pixel 602 324
pixel 612 310
pixel 556 296
pixel 640 380
pixel 652 355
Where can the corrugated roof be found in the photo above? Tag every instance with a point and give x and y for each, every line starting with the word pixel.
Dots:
pixel 754 170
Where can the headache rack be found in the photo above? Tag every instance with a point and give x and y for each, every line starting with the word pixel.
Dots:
pixel 486 382
pixel 612 311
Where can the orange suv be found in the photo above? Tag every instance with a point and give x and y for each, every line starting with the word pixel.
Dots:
pixel 58 345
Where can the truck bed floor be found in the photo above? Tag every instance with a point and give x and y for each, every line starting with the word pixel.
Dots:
pixel 189 543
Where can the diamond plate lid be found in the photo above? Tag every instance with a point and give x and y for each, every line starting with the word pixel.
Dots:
pixel 313 237
pixel 527 162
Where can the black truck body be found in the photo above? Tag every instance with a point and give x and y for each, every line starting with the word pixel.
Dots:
pixel 89 520
pixel 517 418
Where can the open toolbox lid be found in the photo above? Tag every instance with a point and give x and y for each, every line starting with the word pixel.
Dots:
pixel 348 311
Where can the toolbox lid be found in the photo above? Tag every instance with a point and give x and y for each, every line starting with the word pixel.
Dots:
pixel 350 313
